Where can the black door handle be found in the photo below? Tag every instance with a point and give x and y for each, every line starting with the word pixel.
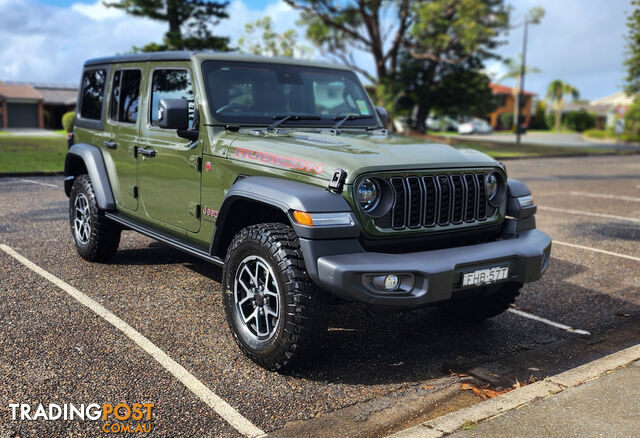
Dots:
pixel 110 144
pixel 147 153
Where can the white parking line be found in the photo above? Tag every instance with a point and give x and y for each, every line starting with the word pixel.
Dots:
pixel 603 196
pixel 30 181
pixel 222 408
pixel 587 213
pixel 602 251
pixel 548 322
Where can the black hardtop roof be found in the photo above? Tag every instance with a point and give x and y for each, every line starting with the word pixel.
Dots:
pixel 209 55
pixel 179 55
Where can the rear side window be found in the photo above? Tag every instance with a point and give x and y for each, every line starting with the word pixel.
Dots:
pixel 92 94
pixel 170 84
pixel 125 95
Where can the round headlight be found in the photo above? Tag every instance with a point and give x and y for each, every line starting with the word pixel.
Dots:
pixel 368 194
pixel 495 189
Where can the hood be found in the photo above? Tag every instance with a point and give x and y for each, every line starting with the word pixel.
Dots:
pixel 318 154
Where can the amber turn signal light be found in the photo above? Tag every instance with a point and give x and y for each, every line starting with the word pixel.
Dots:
pixel 303 218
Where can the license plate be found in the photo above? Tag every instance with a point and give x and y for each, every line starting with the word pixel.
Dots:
pixel 485 276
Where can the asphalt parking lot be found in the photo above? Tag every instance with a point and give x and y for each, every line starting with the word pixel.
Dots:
pixel 376 374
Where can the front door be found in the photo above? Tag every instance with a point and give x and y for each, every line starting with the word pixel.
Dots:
pixel 168 166
pixel 122 128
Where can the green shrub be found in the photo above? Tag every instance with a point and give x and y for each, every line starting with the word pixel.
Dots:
pixel 539 119
pixel 68 119
pixel 550 119
pixel 597 134
pixel 579 120
pixel 632 119
pixel 506 120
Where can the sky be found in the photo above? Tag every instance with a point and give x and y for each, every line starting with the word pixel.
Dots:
pixel 579 41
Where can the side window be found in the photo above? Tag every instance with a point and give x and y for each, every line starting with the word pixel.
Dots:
pixel 125 95
pixel 92 94
pixel 170 84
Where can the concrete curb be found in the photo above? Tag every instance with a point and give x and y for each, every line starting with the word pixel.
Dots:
pixel 449 423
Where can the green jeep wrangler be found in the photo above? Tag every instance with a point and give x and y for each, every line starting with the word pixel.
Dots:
pixel 281 172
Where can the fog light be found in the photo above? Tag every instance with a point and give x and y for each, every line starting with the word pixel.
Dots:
pixel 391 283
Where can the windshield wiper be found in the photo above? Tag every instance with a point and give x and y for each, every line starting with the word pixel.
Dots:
pixel 282 119
pixel 343 120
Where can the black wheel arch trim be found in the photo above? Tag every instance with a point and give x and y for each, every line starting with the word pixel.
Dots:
pixel 285 196
pixel 515 190
pixel 93 161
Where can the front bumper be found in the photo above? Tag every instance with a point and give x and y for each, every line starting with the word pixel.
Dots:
pixel 437 273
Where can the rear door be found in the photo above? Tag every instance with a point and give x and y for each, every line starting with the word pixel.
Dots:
pixel 168 168
pixel 123 128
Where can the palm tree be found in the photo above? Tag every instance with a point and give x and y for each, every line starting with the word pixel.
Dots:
pixel 513 72
pixel 556 94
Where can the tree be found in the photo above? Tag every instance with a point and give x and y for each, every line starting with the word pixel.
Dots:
pixel 435 32
pixel 261 39
pixel 557 92
pixel 189 21
pixel 514 69
pixel 455 90
pixel 632 54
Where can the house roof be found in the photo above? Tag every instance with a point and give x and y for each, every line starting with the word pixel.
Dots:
pixel 58 96
pixel 22 91
pixel 619 98
pixel 503 89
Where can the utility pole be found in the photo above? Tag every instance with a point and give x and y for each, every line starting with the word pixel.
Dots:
pixel 523 66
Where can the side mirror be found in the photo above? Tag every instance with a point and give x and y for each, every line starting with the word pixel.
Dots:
pixel 383 114
pixel 173 114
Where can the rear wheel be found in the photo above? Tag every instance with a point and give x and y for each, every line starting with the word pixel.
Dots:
pixel 277 315
pixel 96 238
pixel 491 301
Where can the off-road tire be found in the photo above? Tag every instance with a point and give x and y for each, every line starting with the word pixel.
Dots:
pixel 304 308
pixel 104 237
pixel 492 301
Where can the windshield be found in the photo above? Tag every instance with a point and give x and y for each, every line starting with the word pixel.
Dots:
pixel 252 93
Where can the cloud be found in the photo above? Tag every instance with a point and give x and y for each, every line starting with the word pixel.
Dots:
pixel 45 43
pixel 580 42
pixel 48 43
pixel 577 41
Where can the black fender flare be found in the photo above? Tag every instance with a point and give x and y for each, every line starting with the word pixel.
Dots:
pixel 517 189
pixel 286 196
pixel 91 157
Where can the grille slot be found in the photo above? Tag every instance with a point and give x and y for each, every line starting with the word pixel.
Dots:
pixel 482 197
pixel 415 202
pixel 399 208
pixel 458 196
pixel 441 200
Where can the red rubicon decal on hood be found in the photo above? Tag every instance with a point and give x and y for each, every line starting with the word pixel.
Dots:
pixel 289 162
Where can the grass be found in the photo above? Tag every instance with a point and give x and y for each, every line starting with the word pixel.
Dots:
pixel 60 131
pixel 507 150
pixel 32 154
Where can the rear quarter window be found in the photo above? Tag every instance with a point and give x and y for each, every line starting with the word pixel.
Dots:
pixel 92 94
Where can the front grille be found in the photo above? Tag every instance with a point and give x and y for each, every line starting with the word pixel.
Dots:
pixel 443 200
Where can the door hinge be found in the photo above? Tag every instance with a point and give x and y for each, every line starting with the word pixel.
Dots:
pixel 200 164
pixel 133 191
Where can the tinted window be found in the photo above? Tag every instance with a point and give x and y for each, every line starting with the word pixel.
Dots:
pixel 125 95
pixel 255 93
pixel 170 84
pixel 92 94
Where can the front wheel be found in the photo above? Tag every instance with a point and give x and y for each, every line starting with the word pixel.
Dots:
pixel 96 238
pixel 491 301
pixel 277 315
